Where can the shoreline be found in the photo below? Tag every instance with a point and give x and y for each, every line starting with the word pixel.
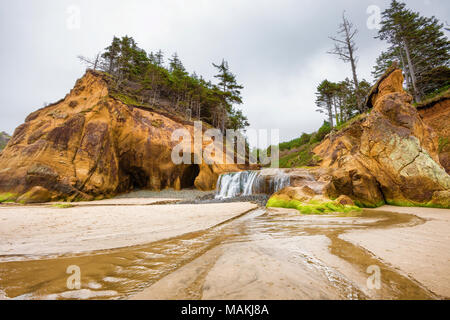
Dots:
pixel 233 251
pixel 270 268
pixel 40 231
pixel 421 252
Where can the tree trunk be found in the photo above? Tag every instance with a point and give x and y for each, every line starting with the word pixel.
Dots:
pixel 336 114
pixel 408 81
pixel 330 113
pixel 411 71
pixel 353 65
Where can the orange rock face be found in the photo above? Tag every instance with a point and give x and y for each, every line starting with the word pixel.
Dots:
pixel 437 116
pixel 90 144
pixel 391 155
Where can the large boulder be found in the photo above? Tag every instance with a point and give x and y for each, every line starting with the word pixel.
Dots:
pixel 35 195
pixel 390 155
pixel 91 144
pixel 307 201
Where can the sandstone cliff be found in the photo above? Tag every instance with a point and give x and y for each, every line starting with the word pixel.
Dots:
pixel 390 155
pixel 436 114
pixel 91 144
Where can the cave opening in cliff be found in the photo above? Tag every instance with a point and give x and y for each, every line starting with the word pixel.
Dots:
pixel 189 175
pixel 138 178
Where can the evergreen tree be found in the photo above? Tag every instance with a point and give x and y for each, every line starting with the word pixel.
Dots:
pixel 111 54
pixel 142 79
pixel 228 83
pixel 417 42
pixel 231 93
pixel 384 61
pixel 178 77
pixel 175 65
pixel 435 80
pixel 159 58
pixel 325 95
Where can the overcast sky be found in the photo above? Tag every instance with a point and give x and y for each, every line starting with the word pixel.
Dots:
pixel 276 48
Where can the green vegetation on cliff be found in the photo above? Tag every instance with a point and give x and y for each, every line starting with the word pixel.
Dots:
pixel 298 152
pixel 419 44
pixel 4 138
pixel 140 78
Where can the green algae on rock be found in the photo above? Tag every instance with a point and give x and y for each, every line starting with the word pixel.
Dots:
pixel 306 201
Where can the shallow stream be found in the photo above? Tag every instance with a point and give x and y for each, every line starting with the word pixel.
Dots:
pixel 120 273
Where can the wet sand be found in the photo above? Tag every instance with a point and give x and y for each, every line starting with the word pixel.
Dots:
pixel 315 261
pixel 35 231
pixel 422 252
pixel 214 251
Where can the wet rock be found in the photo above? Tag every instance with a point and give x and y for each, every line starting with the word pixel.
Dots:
pixel 345 200
pixel 91 144
pixel 306 201
pixel 391 156
pixel 302 194
pixel 35 195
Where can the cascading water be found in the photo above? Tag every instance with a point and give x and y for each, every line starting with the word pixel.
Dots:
pixel 247 183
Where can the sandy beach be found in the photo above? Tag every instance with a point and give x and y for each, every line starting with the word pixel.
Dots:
pixel 48 230
pixel 320 265
pixel 131 248
pixel 422 252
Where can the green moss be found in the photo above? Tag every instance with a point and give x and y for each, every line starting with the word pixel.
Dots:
pixel 157 123
pixel 126 99
pixel 443 143
pixel 405 203
pixel 368 204
pixel 62 205
pixel 8 197
pixel 312 207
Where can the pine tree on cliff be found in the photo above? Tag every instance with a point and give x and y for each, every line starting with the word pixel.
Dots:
pixel 384 61
pixel 131 67
pixel 178 77
pixel 345 48
pixel 417 42
pixel 324 99
pixel 228 83
pixel 231 93
pixel 126 60
pixel 112 54
pixel 159 58
pixel 344 98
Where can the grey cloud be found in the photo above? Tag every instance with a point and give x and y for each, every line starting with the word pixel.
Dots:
pixel 276 48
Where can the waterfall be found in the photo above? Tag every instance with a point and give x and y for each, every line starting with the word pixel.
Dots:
pixel 245 183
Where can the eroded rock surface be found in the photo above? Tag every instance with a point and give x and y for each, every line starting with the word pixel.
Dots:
pixel 390 155
pixel 91 144
pixel 437 116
